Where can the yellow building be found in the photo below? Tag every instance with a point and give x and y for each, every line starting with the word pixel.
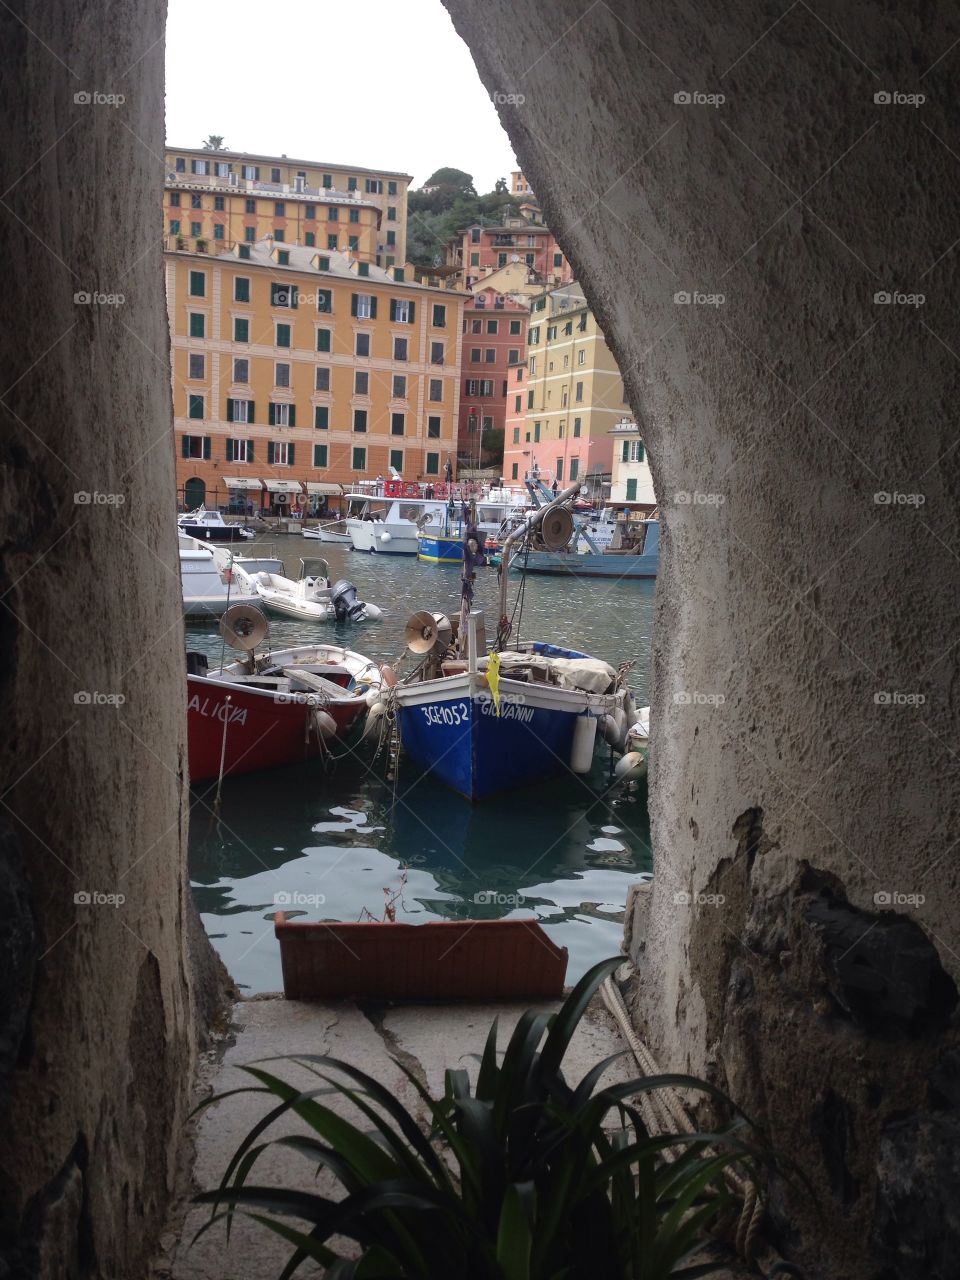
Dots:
pixel 568 399
pixel 519 186
pixel 240 193
pixel 297 370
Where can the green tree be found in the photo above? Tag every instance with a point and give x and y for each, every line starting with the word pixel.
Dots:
pixel 214 142
pixel 500 187
pixel 454 179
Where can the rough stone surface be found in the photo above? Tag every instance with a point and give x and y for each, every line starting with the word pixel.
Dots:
pixel 804 696
pixel 99 1031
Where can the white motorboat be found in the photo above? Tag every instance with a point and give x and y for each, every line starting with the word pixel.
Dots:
pixel 334 531
pixel 390 525
pixel 313 596
pixel 207 591
pixel 210 526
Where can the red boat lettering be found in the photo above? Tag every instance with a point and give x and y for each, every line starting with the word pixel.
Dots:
pixel 217 710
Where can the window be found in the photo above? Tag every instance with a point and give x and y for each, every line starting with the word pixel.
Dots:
pixel 551 332
pixel 351 184
pixel 310 212
pixel 200 166
pixel 562 430
pixel 174 226
pixel 323 339
pixel 251 206
pixel 279 208
pixel 283 295
pixel 333 215
pixel 249 235
pixel 359 459
pixel 513 356
pixel 439 315
pixel 520 373
pixel 241 371
pixel 574 468
pixel 580 356
pixel 436 353
pixel 568 328
pixel 582 326
pixel 559 470
pixel 196 202
pixel 275 175
pixel 241 289
pixel 243 251
pixel 353 244
pixel 250 172
pixel 493 326
pixel 436 390
pixel 558 259
pixel 323 378
pixel 195 446
pixel 530 399
pixel 474 259
pixel 391 188
pixel 283 255
pixel 175 199
pixel 195 363
pixel 327 181
pixel 282 415
pixel 490 355
pixel 239 450
pixel 283 335
pixel 515 326
pixel 475 235
pixel 194 406
pixel 534 335
pixel 501 259
pixel 402 310
pixel 332 242
pixel 321 418
pixel 433 464
pixel 218 231
pixel 632 451
pixel 400 348
pixel 241 330
pixel 476 326
pixel 354 215
pixel 323 263
pixel 359 419
pixel 281 375
pixel 195 229
pixel 363 268
pixel 197 324
pixel 518 404
pixel 309 239
pixel 198 284
pixel 391 213
pixel 513 471
pixel 361 383
pixel 373 186
pixel 325 301
pixel 399 386
pixel 363 306
pixel 397 425
pixel 180 164
pixel 533 365
pixel 576 431
pixel 363 344
pixel 530 259
pixel 280 454
pixel 578 395
pixel 396 460
pixel 319 455
pixel 563 398
pixel 536 432
pixel 239 410
pixel 433 427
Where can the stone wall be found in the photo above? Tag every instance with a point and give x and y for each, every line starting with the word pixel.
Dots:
pixel 96 1009
pixel 800 945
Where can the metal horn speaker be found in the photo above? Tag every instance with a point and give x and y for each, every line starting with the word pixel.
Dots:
pixel 243 626
pixel 427 631
pixel 556 529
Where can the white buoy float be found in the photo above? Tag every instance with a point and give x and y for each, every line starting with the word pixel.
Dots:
pixel 581 749
pixel 631 767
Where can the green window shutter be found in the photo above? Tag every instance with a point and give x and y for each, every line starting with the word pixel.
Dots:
pixel 196 325
pixel 413 312
pixel 626 451
pixel 293 416
pixel 323 339
pixel 353 304
pixel 373 308
pixel 641 455
pixel 249 450
pixel 269 453
pixel 206 447
pixel 293 296
pixel 631 490
pixel 251 417
pixel 185 446
pixel 271 414
pixel 321 417
pixel 393 308
pixel 229 415
pixel 229 450
pixel 319 455
pixel 290 452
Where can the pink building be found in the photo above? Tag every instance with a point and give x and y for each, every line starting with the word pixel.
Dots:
pixel 478 251
pixel 493 359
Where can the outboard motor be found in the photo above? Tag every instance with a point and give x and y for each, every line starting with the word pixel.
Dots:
pixel 346 605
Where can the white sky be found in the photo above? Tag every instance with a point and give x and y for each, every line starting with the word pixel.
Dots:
pixel 377 83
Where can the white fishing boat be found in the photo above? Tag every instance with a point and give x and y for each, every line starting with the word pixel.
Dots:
pixel 313 596
pixel 207 591
pixel 210 526
pixel 391 525
pixel 332 531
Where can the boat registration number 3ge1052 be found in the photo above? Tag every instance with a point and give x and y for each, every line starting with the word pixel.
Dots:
pixel 458 713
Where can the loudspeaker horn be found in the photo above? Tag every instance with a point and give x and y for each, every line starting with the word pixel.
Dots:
pixel 556 529
pixel 243 626
pixel 426 631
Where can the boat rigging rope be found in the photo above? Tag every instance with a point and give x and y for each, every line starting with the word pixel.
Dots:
pixel 664 1113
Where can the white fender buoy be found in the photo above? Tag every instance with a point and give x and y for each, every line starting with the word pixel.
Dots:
pixel 631 766
pixel 388 675
pixel 610 730
pixel 326 724
pixel 373 697
pixel 384 537
pixel 371 612
pixel 581 749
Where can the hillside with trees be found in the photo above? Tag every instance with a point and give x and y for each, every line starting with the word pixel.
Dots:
pixel 447 201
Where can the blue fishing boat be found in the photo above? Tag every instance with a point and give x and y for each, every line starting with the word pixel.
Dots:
pixel 633 553
pixel 484 723
pixel 440 548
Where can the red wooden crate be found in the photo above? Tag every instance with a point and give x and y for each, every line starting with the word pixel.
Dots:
pixel 471 960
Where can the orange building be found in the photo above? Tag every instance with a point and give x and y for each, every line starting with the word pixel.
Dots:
pixel 296 370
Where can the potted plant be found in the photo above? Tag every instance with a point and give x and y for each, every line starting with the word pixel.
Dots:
pixel 201 245
pixel 521 1176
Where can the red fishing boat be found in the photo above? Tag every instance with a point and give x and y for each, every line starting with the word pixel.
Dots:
pixel 275 708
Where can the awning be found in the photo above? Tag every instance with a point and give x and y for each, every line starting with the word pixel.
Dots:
pixel 323 486
pixel 242 482
pixel 284 486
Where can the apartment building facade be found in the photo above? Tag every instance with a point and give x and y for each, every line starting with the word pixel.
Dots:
pixel 240 193
pixel 494 342
pixel 631 482
pixel 562 411
pixel 296 371
pixel 478 251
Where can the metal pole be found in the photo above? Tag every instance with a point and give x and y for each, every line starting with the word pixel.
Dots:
pixel 532 521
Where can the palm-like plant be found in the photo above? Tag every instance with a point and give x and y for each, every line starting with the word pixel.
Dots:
pixel 523 1177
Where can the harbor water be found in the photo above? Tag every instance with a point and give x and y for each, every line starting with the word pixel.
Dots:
pixel 338 841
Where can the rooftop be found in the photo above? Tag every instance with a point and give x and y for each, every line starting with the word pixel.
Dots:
pixel 207 153
pixel 277 190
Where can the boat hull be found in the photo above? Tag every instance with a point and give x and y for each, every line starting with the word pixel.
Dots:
pixel 368 535
pixel 263 730
pixel 438 548
pixel 323 535
pixel 212 608
pixel 589 565
pixel 451 729
pixel 216 533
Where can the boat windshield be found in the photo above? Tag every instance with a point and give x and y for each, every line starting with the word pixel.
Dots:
pixel 315 567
